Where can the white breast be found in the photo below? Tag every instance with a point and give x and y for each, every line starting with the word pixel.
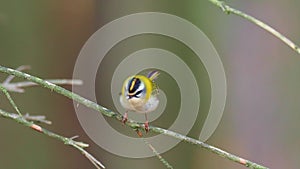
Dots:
pixel 139 105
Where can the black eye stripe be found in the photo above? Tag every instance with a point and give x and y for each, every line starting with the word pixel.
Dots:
pixel 133 85
pixel 137 93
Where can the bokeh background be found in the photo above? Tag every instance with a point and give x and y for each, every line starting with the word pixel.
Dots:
pixel 260 122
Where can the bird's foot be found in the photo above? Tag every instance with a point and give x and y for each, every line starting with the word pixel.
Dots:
pixel 146 126
pixel 125 118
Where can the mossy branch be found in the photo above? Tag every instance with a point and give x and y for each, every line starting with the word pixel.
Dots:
pixel 68 141
pixel 133 124
pixel 27 120
pixel 227 9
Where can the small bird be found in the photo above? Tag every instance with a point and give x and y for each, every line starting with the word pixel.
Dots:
pixel 139 94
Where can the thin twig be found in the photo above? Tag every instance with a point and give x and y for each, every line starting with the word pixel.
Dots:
pixel 25 120
pixel 227 9
pixel 37 118
pixel 133 124
pixel 161 159
pixel 18 86
pixel 11 77
pixel 69 141
pixel 3 89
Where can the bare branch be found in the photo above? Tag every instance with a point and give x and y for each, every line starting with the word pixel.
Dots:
pixel 165 162
pixel 227 9
pixel 69 141
pixel 11 77
pixel 37 118
pixel 18 86
pixel 133 124
pixel 3 89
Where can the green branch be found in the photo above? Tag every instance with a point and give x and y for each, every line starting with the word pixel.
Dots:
pixel 68 141
pixel 133 124
pixel 227 9
pixel 3 89
pixel 18 86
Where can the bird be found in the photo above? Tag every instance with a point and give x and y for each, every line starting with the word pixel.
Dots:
pixel 140 94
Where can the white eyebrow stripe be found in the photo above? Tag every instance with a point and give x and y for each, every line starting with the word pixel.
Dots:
pixel 141 87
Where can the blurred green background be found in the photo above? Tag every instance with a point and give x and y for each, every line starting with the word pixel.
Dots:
pixel 260 122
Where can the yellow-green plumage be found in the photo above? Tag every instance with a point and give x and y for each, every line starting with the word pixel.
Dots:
pixel 139 93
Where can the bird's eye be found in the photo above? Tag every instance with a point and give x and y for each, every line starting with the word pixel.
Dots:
pixel 138 93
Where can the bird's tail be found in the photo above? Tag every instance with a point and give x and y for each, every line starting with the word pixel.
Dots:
pixel 153 74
